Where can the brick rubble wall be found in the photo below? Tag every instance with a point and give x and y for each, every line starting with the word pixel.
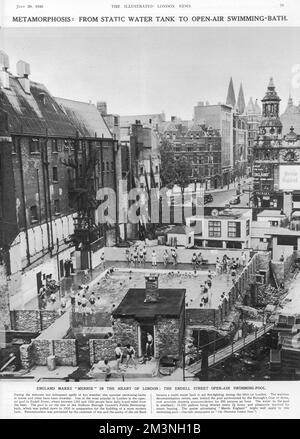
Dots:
pixel 48 317
pixel 65 352
pixel 41 350
pixel 102 348
pixel 26 356
pixel 37 352
pixel 4 300
pixel 198 316
pixel 26 320
pixel 126 331
pixel 167 337
pixel 32 320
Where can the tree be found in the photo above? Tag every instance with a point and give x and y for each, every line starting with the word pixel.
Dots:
pixel 167 167
pixel 183 172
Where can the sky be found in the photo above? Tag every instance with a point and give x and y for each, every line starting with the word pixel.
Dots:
pixel 150 70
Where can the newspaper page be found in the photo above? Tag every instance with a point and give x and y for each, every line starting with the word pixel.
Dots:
pixel 149 210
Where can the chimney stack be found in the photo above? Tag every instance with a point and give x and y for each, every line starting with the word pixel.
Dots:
pixel 4 65
pixel 23 71
pixel 102 108
pixel 152 291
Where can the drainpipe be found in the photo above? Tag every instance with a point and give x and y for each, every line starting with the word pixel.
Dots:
pixel 43 159
pixel 46 163
pixel 23 201
pixel 115 146
pixel 39 193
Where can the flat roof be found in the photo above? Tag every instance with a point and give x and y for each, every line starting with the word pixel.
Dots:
pixel 133 304
pixel 271 213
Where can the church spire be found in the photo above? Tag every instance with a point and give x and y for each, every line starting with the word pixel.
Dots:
pixel 230 100
pixel 290 101
pixel 241 100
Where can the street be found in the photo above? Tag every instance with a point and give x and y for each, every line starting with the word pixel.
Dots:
pixel 223 197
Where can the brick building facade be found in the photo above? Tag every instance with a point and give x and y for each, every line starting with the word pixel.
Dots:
pixel 54 151
pixel 203 148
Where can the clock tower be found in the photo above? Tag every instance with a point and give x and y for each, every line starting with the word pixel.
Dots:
pixel 276 164
pixel 271 126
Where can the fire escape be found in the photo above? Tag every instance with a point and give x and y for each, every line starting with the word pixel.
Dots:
pixel 88 236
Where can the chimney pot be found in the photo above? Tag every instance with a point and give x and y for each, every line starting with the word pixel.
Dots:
pixel 4 60
pixel 152 290
pixel 23 70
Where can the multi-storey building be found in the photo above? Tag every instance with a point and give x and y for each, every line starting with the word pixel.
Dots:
pixel 276 167
pixel 219 117
pixel 202 147
pixel 239 131
pixel 253 118
pixel 228 228
pixel 48 153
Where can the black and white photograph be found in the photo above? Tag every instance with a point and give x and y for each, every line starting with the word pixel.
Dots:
pixel 149 204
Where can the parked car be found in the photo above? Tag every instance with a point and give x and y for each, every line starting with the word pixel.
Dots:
pixel 208 198
pixel 235 200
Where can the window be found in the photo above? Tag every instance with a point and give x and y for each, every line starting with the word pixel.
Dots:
pixel 56 207
pixel 54 173
pixel 142 170
pixel 234 229
pixel 247 227
pixel 54 145
pixel 33 214
pixel 107 166
pixel 156 169
pixel 214 229
pixel 15 144
pixel 34 146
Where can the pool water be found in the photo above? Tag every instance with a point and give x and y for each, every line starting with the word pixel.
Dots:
pixel 112 290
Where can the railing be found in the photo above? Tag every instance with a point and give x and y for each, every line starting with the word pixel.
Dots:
pixel 223 354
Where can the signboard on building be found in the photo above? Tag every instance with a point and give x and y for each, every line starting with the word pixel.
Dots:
pixel 289 177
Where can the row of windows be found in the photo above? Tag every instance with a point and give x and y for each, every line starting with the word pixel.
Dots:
pixel 57 145
pixel 233 231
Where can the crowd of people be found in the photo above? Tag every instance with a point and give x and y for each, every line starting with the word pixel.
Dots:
pixel 136 255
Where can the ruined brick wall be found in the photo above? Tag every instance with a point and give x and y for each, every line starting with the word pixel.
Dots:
pixel 65 352
pixel 47 318
pixel 32 320
pixel 167 337
pixel 102 348
pixel 4 300
pixel 37 351
pixel 126 331
pixel 41 350
pixel 96 319
pixel 26 356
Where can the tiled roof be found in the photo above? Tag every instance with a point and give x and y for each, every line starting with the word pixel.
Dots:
pixel 35 113
pixel 85 117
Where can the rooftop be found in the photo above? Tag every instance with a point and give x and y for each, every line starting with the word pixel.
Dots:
pixel 271 213
pixel 35 113
pixel 133 304
pixel 85 117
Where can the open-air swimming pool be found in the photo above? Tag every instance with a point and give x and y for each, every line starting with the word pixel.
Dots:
pixel 112 290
